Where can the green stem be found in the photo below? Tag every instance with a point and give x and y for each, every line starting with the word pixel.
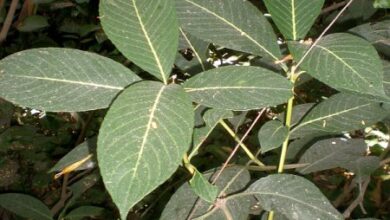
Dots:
pixel 242 145
pixel 283 154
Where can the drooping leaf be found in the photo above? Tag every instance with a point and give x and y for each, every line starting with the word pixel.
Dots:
pixel 146 32
pixel 294 18
pixel 232 179
pixel 363 167
pixel 143 139
pixel 25 206
pixel 196 48
pixel 293 196
pixel 377 33
pixel 233 24
pixel 62 80
pixel 331 153
pixel 271 135
pixel 78 153
pixel 33 23
pixel 238 88
pixel 340 113
pixel 338 61
pixel 211 118
pixel 84 211
pixel 203 188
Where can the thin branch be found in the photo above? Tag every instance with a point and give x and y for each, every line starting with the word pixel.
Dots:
pixel 323 33
pixel 358 200
pixel 334 7
pixel 8 20
pixel 238 145
pixel 65 195
pixel 2 4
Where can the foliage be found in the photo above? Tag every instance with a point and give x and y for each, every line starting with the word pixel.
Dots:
pixel 151 97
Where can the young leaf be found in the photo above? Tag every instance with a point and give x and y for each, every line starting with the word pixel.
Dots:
pixel 62 80
pixel 146 32
pixel 382 4
pixel 293 196
pixel 143 139
pixel 338 61
pixel 25 206
pixel 78 153
pixel 238 88
pixel 294 18
pixel 331 153
pixel 232 180
pixel 203 188
pixel 340 113
pixel 271 135
pixel 234 24
pixel 33 23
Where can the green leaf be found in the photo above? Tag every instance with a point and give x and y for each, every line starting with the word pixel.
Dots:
pixel 382 3
pixel 62 80
pixel 78 153
pixel 232 180
pixel 33 23
pixel 25 206
pixel 234 24
pixel 344 62
pixel 363 167
pixel 146 32
pixel 143 139
pixel 211 118
pixel 84 211
pixel 293 196
pixel 294 18
pixel 238 88
pixel 386 77
pixel 271 135
pixel 340 113
pixel 331 153
pixel 199 51
pixel 203 188
pixel 377 33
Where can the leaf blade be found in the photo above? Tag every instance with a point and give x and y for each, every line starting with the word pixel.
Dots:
pixel 251 34
pixel 62 80
pixel 294 18
pixel 148 33
pixel 130 163
pixel 238 88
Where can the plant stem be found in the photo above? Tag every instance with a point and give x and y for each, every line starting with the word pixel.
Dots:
pixel 8 20
pixel 242 145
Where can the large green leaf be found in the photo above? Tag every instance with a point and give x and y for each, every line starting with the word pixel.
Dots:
pixel 146 32
pixel 143 139
pixel 25 206
pixel 203 188
pixel 294 18
pixel 293 196
pixel 340 113
pixel 61 80
pixel 232 180
pixel 377 33
pixel 239 88
pixel 234 24
pixel 344 62
pixel 331 153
